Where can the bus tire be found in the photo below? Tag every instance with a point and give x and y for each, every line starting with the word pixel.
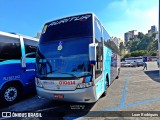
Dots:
pixel 117 77
pixel 10 93
pixel 107 85
pixel 118 73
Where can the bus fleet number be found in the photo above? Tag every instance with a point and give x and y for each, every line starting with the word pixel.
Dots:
pixel 67 82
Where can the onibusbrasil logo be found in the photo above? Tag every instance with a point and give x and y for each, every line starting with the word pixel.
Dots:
pixel 18 114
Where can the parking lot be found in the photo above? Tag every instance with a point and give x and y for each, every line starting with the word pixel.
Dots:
pixel 136 94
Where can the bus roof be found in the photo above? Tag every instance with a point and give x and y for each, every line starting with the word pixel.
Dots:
pixel 70 16
pixel 14 35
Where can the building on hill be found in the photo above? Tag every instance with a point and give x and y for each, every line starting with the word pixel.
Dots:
pixel 117 41
pixel 152 30
pixel 130 35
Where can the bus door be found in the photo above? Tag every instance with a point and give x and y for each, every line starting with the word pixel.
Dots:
pixel 28 73
pixel 113 66
pixel 99 62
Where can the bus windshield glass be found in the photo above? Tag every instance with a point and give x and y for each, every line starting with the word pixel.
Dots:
pixel 75 26
pixel 64 58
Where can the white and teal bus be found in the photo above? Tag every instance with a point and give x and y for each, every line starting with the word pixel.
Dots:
pixel 76 59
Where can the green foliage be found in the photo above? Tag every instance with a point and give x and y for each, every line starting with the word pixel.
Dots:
pixel 154 34
pixel 127 55
pixel 139 53
pixel 154 54
pixel 144 45
pixel 134 46
pixel 121 48
pixel 140 35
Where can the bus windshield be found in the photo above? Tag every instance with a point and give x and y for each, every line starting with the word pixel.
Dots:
pixel 64 56
pixel 75 26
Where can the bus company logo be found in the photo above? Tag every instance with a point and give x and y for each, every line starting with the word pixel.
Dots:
pixel 6 114
pixel 65 20
pixel 48 82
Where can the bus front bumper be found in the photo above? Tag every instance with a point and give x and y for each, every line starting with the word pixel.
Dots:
pixel 85 95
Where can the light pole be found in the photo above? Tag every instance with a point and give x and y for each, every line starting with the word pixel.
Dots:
pixel 158 40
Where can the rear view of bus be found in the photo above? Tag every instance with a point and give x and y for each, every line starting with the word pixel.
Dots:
pixel 64 70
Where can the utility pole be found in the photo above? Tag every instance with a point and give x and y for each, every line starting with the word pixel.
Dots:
pixel 159 40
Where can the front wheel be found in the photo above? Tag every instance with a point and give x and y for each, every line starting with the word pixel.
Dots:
pixel 107 85
pixel 118 73
pixel 9 94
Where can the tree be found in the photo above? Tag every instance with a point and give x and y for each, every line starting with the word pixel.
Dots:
pixel 144 45
pixel 134 45
pixel 154 34
pixel 128 45
pixel 127 55
pixel 121 47
pixel 140 35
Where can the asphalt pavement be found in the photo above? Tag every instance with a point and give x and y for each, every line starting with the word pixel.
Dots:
pixel 135 95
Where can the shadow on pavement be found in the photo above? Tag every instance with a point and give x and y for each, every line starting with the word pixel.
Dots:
pixel 153 74
pixel 68 110
pixel 22 98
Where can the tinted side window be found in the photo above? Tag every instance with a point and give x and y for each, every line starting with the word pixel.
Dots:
pixel 9 48
pixel 99 49
pixel 98 33
pixel 105 36
pixel 99 64
pixel 30 46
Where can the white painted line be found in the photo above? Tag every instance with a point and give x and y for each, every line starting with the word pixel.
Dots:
pixel 139 81
pixel 46 109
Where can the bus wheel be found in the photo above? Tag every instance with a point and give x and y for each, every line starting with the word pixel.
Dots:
pixel 118 73
pixel 107 85
pixel 117 77
pixel 10 94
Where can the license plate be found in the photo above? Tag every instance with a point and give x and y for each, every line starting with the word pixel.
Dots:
pixel 58 95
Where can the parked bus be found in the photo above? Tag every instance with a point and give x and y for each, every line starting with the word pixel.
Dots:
pixel 134 59
pixel 76 60
pixel 17 66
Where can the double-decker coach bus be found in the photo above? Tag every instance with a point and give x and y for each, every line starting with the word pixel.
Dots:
pixel 76 59
pixel 17 66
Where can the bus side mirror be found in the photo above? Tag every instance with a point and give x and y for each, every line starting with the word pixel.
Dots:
pixel 92 53
pixel 23 59
pixel 23 62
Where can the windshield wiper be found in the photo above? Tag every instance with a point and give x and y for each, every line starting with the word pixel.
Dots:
pixel 65 73
pixel 42 66
pixel 86 73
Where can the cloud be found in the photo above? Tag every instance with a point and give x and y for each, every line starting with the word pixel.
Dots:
pixel 131 15
pixel 143 19
pixel 114 11
pixel 118 4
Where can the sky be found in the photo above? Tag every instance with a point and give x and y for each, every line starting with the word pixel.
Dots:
pixel 28 17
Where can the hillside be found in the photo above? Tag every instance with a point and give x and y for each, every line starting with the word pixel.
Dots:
pixel 144 45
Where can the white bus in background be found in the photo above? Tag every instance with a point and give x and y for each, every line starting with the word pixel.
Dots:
pixel 134 59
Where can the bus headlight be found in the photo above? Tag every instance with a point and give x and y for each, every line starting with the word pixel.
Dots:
pixel 84 85
pixel 38 82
